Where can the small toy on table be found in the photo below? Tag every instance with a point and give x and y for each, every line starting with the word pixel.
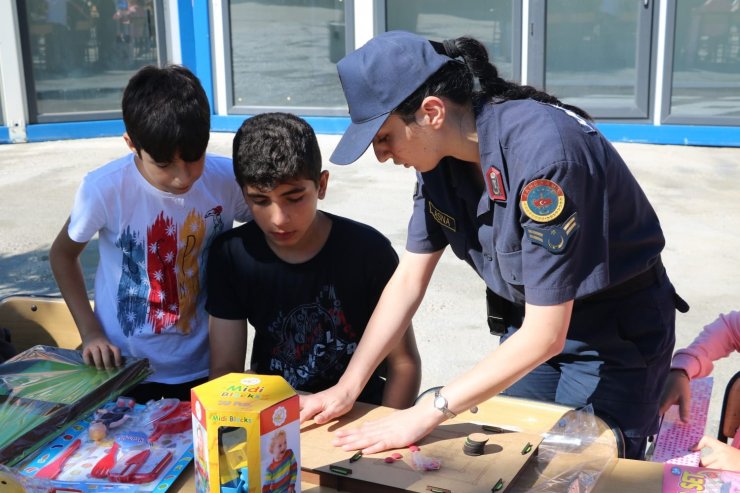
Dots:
pixel 107 418
pixel 177 420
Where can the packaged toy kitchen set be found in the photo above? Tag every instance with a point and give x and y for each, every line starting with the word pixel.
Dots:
pixel 246 435
pixel 122 447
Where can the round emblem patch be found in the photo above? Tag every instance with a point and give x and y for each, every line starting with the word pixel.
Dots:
pixel 542 200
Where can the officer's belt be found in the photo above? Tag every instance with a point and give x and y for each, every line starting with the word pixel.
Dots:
pixel 630 286
pixel 502 313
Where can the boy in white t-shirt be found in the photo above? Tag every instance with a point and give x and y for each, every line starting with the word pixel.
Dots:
pixel 156 212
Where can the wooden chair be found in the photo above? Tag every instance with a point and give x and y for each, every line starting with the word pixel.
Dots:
pixel 729 420
pixel 34 320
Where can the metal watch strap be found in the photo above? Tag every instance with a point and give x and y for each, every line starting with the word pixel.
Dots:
pixel 443 409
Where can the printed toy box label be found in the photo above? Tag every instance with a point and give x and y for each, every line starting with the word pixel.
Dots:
pixel 689 479
pixel 246 435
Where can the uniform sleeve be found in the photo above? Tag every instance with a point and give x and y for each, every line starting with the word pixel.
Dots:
pixel 89 212
pixel 564 246
pixel 424 234
pixel 718 340
pixel 221 294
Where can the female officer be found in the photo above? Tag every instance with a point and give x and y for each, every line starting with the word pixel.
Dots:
pixel 527 191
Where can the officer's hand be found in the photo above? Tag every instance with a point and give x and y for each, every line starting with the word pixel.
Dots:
pixel 397 430
pixel 676 391
pixel 100 352
pixel 718 455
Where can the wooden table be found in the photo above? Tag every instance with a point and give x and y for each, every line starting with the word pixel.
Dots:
pixel 634 476
pixel 619 475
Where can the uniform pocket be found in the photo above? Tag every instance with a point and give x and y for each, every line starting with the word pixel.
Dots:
pixel 510 265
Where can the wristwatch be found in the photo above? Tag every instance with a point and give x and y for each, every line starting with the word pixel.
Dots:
pixel 440 403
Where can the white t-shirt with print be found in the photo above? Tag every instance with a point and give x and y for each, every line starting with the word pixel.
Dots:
pixel 153 245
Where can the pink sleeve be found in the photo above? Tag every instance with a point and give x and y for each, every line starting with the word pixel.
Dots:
pixel 716 341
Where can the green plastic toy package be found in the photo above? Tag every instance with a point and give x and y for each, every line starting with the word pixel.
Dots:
pixel 44 388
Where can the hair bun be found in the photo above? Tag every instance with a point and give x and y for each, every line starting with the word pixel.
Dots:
pixel 451 49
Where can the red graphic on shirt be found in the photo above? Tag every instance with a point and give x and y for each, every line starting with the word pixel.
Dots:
pixel 161 254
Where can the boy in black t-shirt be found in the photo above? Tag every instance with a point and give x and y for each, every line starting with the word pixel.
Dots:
pixel 306 280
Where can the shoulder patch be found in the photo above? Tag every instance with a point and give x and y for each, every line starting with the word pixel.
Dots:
pixel 542 200
pixel 442 218
pixel 553 238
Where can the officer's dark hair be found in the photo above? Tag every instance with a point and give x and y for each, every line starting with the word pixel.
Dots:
pixel 273 148
pixel 166 111
pixel 455 81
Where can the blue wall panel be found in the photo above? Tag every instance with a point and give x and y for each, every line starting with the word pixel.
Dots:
pixel 672 134
pixel 707 136
pixel 331 125
pixel 74 130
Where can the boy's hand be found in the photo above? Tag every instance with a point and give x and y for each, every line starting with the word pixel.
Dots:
pixel 677 390
pixel 99 352
pixel 718 455
pixel 325 405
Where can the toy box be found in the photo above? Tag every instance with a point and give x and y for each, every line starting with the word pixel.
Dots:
pixel 246 435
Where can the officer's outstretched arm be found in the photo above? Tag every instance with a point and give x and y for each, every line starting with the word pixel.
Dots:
pixel 391 317
pixel 541 336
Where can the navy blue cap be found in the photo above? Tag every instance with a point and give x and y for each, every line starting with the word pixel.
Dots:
pixel 376 78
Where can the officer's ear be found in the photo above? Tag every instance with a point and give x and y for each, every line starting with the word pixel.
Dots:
pixel 432 112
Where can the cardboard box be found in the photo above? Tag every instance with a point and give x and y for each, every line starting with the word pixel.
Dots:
pixel 246 435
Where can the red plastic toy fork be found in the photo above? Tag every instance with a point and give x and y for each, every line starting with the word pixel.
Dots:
pixel 53 468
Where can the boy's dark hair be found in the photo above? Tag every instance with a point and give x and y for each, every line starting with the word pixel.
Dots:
pixel 166 111
pixel 273 148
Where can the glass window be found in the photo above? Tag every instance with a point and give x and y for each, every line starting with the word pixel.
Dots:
pixel 283 54
pixel 81 53
pixel 591 52
pixel 488 22
pixel 706 59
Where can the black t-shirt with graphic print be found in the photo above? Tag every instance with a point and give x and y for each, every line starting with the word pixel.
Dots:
pixel 308 317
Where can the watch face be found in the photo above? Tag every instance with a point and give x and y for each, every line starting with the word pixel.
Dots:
pixel 440 402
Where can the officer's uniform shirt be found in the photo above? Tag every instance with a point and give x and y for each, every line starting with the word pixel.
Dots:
pixel 557 216
pixel 586 224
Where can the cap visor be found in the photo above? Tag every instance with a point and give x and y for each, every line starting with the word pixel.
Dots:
pixel 356 140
